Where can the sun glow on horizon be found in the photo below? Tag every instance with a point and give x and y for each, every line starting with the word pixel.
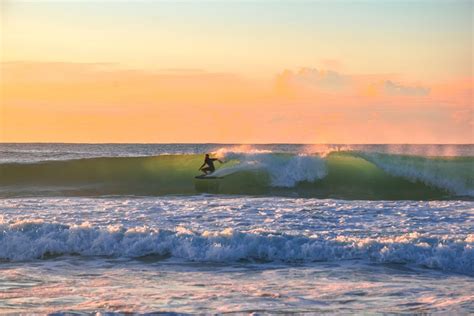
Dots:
pixel 318 72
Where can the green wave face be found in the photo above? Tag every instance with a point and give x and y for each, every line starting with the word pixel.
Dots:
pixel 339 175
pixel 356 178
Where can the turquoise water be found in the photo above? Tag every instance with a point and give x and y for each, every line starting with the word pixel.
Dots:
pixel 290 228
pixel 371 172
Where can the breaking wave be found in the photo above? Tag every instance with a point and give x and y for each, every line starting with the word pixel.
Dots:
pixel 347 175
pixel 26 240
pixel 283 170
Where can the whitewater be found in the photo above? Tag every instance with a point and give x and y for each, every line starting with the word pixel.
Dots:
pixel 290 228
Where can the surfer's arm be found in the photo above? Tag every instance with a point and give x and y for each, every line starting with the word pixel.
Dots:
pixel 202 166
pixel 214 159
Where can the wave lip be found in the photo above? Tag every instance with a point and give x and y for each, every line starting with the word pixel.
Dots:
pixel 284 170
pixel 451 174
pixel 36 239
pixel 344 175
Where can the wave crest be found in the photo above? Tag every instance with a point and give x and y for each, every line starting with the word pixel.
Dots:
pixel 284 170
pixel 31 240
pixel 451 174
pixel 347 175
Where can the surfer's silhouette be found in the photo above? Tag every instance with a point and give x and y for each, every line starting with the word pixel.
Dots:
pixel 210 165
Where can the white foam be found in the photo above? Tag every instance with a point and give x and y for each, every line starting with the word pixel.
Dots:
pixel 284 170
pixel 30 240
pixel 454 176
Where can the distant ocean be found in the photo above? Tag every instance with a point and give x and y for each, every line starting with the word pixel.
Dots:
pixel 287 228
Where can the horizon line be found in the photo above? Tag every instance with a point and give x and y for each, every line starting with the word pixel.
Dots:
pixel 217 143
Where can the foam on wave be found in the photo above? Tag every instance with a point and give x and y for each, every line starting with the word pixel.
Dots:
pixel 284 170
pixel 28 240
pixel 455 175
pixel 347 175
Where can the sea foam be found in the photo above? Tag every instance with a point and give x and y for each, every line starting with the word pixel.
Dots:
pixel 284 171
pixel 28 240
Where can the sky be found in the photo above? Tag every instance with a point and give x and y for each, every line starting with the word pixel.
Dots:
pixel 237 71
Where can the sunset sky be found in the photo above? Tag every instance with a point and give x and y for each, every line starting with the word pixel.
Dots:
pixel 237 72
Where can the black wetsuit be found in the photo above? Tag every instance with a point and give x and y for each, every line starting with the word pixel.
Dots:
pixel 210 163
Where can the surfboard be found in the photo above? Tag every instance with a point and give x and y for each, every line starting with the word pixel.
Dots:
pixel 205 177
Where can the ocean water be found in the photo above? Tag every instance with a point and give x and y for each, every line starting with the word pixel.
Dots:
pixel 288 228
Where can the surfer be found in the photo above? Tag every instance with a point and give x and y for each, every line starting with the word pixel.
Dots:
pixel 210 165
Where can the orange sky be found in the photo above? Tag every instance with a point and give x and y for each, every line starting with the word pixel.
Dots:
pixel 63 83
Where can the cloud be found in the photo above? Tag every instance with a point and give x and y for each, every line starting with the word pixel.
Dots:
pixel 330 87
pixel 312 79
pixel 312 82
pixel 94 83
pixel 94 102
pixel 332 64
pixel 391 88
